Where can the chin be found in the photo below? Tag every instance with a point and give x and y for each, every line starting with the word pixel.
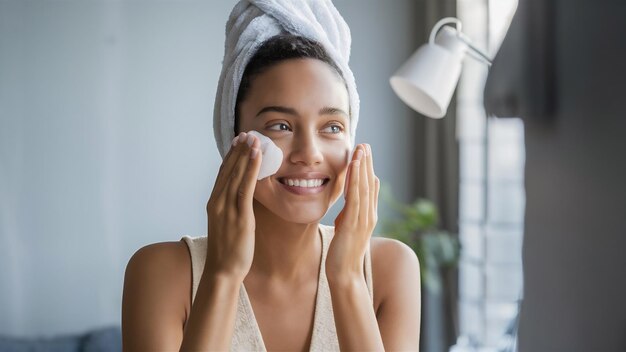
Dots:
pixel 294 212
pixel 300 218
pixel 299 214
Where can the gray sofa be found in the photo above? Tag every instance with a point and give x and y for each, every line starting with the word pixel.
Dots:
pixel 101 340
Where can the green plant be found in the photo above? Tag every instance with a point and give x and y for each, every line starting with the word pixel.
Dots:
pixel 417 227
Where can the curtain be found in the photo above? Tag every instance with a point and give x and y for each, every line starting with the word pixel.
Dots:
pixel 441 178
pixel 525 58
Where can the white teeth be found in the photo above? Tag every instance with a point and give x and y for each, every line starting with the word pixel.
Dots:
pixel 304 183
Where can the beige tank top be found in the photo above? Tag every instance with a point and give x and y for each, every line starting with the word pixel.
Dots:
pixel 247 335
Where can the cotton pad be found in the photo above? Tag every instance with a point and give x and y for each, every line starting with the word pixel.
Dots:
pixel 272 155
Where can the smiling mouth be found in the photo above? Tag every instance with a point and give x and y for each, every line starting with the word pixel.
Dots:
pixel 284 181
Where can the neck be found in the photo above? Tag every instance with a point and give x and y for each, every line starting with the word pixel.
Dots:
pixel 285 251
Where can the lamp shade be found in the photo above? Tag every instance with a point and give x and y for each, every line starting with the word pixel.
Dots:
pixel 426 81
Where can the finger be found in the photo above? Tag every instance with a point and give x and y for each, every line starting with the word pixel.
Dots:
pixel 346 181
pixel 249 181
pixel 240 168
pixel 346 185
pixel 219 194
pixel 377 190
pixel 370 168
pixel 364 198
pixel 352 199
pixel 227 165
pixel 371 182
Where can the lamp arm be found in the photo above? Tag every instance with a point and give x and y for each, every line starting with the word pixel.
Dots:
pixel 442 22
pixel 474 52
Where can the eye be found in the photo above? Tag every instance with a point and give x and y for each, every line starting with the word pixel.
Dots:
pixel 334 129
pixel 282 127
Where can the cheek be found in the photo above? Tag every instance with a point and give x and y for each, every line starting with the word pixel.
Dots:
pixel 340 163
pixel 265 192
pixel 344 160
pixel 262 185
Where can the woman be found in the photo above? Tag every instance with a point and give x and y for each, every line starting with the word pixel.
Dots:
pixel 268 275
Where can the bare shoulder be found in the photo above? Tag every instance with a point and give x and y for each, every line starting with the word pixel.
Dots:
pixel 156 296
pixel 394 265
pixel 391 257
pixel 397 293
pixel 164 265
pixel 161 255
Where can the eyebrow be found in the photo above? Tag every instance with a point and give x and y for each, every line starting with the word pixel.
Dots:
pixel 291 111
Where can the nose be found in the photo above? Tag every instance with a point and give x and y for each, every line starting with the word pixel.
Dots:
pixel 305 149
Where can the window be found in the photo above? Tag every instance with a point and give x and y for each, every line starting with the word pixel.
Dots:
pixel 491 194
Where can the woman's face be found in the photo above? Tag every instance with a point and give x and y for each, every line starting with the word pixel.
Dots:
pixel 302 105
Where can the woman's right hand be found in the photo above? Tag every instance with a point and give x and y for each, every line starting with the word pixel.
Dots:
pixel 230 245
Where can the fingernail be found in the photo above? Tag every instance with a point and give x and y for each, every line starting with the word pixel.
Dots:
pixel 250 140
pixel 368 150
pixel 238 138
pixel 254 153
pixel 359 154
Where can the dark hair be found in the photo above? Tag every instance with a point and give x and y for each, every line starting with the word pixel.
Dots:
pixel 274 50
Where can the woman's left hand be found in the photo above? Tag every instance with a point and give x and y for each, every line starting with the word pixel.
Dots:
pixel 356 221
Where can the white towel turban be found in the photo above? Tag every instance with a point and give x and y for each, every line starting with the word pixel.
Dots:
pixel 251 23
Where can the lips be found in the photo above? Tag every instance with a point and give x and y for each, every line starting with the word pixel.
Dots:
pixel 304 175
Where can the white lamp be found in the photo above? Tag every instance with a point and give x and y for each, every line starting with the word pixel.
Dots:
pixel 426 81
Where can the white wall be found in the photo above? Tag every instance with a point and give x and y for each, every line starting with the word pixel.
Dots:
pixel 106 140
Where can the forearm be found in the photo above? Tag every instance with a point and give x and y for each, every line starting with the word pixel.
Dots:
pixel 212 318
pixel 355 319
